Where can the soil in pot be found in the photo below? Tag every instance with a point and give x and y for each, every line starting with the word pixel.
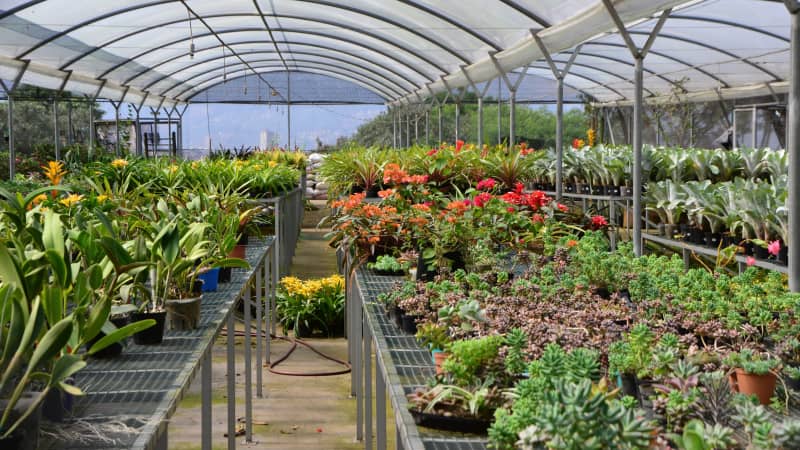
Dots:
pixel 153 335
pixel 26 435
pixel 183 314
pixel 113 349
pixel 762 386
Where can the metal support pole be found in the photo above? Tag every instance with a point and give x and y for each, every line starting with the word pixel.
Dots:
pixel 169 134
pixel 427 128
pixel 268 304
pixel 358 323
pixel 512 119
pixel 380 406
pixel 416 129
pixel 408 130
pixel 231 375
pixel 793 147
pixel 288 111
pixel 499 112
pixel 56 142
pixel 116 122
pixel 441 135
pixel 480 122
pixel 248 368
pixel 90 151
pixel 70 133
pixel 560 139
pixel 458 107
pixel 205 409
pixel 394 130
pixel 259 348
pixel 12 166
pixel 139 145
pixel 637 154
pixel 367 388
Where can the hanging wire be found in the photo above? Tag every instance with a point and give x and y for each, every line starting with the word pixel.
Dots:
pixel 191 36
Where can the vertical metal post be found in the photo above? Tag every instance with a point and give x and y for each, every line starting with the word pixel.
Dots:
pixel 358 323
pixel 91 130
pixel 268 261
pixel 276 269
pixel 441 135
pixel 70 133
pixel 480 122
pixel 380 406
pixel 248 367
pixel 408 130
pixel 637 155
pixel 416 129
pixel 499 112
pixel 205 409
pixel 288 111
pixel 512 119
pixel 231 375
pixel 169 134
pixel 560 139
pixel 754 124
pixel 793 146
pixel 139 145
pixel 458 116
pixel 56 143
pixel 259 354
pixel 427 128
pixel 116 122
pixel 394 129
pixel 367 387
pixel 12 166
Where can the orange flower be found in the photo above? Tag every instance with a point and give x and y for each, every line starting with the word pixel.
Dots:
pixel 572 243
pixel 374 239
pixel 54 171
pixel 421 207
pixel 385 193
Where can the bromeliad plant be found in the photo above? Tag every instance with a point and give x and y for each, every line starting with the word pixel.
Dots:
pixel 316 304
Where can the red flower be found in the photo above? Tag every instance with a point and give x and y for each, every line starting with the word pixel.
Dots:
pixel 459 145
pixel 562 208
pixel 486 184
pixel 510 209
pixel 518 187
pixel 537 218
pixel 598 222
pixel 432 152
pixel 467 202
pixel 482 199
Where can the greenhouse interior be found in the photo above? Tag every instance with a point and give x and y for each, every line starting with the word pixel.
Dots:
pixel 406 224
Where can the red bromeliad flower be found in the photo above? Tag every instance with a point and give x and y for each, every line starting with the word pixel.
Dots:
pixel 486 184
pixel 537 218
pixel 459 145
pixel 432 152
pixel 562 208
pixel 598 222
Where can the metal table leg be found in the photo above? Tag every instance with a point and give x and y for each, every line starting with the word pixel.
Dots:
pixel 367 388
pixel 380 406
pixel 231 371
pixel 205 409
pixel 259 353
pixel 358 368
pixel 248 368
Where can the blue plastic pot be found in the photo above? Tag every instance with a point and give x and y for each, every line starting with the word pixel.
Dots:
pixel 210 280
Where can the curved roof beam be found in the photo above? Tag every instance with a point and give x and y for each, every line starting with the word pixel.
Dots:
pixel 527 13
pixel 285 30
pixel 729 23
pixel 608 72
pixel 445 18
pixel 661 54
pixel 384 82
pixel 260 52
pixel 713 48
pixel 216 16
pixel 294 102
pixel 336 73
pixel 622 61
pixel 595 82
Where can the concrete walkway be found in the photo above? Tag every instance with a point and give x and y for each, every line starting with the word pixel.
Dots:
pixel 296 412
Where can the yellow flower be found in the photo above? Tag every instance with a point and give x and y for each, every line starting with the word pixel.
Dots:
pixel 119 163
pixel 102 198
pixel 272 164
pixel 590 137
pixel 71 200
pixel 173 168
pixel 39 199
pixel 54 171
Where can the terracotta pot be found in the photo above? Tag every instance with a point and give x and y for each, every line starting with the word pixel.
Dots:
pixel 238 251
pixel 762 386
pixel 438 358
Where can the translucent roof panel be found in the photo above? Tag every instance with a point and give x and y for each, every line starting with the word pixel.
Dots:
pixel 168 51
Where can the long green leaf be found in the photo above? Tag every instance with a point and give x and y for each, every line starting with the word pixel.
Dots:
pixel 97 317
pixel 65 367
pixel 52 343
pixel 53 236
pixel 9 271
pixel 120 334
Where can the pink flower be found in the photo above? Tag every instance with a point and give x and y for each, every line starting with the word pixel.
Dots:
pixel 750 261
pixel 774 248
pixel 482 199
pixel 486 184
pixel 467 202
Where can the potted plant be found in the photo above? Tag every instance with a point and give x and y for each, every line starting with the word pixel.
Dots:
pixel 388 265
pixel 454 408
pixel 434 336
pixel 753 374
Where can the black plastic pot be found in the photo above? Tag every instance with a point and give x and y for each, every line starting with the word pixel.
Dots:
pixel 398 317
pixel 409 324
pixel 615 191
pixel 713 239
pixel 698 236
pixel 760 252
pixel 25 436
pixel 225 274
pixel 153 335
pixel 57 405
pixel 627 384
pixel 569 188
pixel 373 192
pixel 451 423
pixel 113 349
pixel 598 190
pixel 587 189
pixel 303 331
pixel 457 260
pixel 783 255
